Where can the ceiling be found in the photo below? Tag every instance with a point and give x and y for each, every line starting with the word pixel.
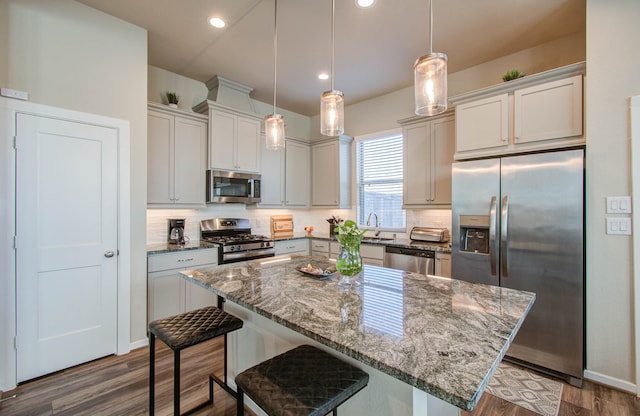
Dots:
pixel 375 48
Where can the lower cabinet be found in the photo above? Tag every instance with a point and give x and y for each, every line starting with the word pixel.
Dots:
pixel 443 264
pixel 320 248
pixel 168 293
pixel 297 246
pixel 371 254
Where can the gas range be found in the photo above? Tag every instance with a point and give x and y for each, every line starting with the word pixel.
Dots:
pixel 236 242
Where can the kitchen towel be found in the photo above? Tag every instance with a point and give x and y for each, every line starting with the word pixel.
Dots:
pixel 526 389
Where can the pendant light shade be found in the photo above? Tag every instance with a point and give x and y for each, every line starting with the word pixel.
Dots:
pixel 274 131
pixel 430 79
pixel 274 123
pixel 332 113
pixel 332 102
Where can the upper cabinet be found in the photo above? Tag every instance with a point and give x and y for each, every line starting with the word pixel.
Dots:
pixel 176 158
pixel 428 146
pixel 234 138
pixel 285 175
pixel 537 112
pixel 331 173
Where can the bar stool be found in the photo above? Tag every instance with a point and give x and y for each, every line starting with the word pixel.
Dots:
pixel 302 381
pixel 185 330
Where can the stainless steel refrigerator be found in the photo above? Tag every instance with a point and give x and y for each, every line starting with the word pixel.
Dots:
pixel 518 222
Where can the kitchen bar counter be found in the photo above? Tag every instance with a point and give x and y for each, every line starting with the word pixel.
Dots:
pixel 384 241
pixel 442 336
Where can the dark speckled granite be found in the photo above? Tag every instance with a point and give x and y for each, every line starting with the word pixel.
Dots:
pixel 443 336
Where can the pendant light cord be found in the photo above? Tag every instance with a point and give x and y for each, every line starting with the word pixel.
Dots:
pixel 275 54
pixel 333 17
pixel 430 26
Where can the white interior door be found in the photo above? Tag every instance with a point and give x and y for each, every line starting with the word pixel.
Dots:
pixel 66 232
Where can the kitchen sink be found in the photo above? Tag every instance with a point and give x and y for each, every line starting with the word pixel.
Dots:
pixel 376 239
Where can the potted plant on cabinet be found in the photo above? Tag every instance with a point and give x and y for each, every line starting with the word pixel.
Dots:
pixel 172 99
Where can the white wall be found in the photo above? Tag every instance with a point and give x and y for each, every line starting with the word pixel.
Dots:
pixel 613 75
pixel 68 55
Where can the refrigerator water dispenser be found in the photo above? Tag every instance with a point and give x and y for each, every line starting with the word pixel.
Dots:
pixel 474 233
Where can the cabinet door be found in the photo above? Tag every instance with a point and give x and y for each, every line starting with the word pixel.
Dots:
pixel 483 123
pixel 160 158
pixel 325 170
pixel 198 297
pixel 549 111
pixel 297 160
pixel 166 294
pixel 190 161
pixel 247 144
pixel 273 170
pixel 222 133
pixel 417 159
pixel 443 148
pixel 443 264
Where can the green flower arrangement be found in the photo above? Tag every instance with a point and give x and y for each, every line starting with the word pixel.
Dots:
pixel 348 234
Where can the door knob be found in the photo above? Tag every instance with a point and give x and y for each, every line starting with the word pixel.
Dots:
pixel 109 253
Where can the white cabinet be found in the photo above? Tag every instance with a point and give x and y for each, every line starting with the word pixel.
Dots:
pixel 297 246
pixel 371 254
pixel 285 175
pixel 428 155
pixel 319 248
pixel 331 173
pixel 176 161
pixel 233 138
pixel 538 112
pixel 443 264
pixel 168 293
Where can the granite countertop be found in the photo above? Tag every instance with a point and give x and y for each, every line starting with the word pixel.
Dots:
pixel 443 336
pixel 168 247
pixel 384 241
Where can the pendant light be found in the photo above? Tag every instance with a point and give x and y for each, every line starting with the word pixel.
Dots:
pixel 274 123
pixel 332 102
pixel 430 79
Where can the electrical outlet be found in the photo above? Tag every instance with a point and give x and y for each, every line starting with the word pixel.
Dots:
pixel 9 93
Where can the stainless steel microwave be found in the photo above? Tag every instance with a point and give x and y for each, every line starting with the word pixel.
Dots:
pixel 225 186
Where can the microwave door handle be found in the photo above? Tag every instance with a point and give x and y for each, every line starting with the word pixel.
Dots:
pixel 251 188
pixel 493 228
pixel 504 236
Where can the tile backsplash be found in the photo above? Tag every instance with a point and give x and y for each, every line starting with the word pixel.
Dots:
pixel 158 219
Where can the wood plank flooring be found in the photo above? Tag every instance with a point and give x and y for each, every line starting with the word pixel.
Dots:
pixel 119 386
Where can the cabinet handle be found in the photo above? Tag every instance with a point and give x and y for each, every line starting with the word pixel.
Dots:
pixel 185 260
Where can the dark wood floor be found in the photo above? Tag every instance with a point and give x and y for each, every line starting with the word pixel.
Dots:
pixel 119 386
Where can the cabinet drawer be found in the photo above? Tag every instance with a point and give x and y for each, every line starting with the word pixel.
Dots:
pixel 372 252
pixel 292 246
pixel 182 259
pixel 320 245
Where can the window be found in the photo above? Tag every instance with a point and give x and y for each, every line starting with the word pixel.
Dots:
pixel 379 180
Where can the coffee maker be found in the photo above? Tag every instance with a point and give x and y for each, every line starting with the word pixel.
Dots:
pixel 176 231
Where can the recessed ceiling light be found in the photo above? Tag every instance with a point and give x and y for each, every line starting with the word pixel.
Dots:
pixel 323 76
pixel 363 4
pixel 217 22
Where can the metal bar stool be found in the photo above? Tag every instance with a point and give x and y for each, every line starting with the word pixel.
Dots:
pixel 185 330
pixel 303 381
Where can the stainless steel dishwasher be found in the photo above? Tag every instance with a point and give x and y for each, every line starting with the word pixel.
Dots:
pixel 410 259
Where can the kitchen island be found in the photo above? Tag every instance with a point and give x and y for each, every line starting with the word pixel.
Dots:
pixel 430 344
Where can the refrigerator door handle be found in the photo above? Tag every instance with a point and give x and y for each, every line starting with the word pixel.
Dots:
pixel 504 236
pixel 493 228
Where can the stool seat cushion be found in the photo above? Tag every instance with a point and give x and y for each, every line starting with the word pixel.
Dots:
pixel 190 328
pixel 302 381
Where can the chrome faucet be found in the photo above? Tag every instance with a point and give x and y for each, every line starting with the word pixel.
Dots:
pixel 376 231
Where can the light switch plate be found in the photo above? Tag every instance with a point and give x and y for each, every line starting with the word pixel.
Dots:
pixel 618 205
pixel 619 226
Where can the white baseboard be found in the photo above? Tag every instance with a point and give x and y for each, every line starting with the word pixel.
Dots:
pixel 139 343
pixel 611 381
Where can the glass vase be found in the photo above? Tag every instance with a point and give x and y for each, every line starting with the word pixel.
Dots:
pixel 349 263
